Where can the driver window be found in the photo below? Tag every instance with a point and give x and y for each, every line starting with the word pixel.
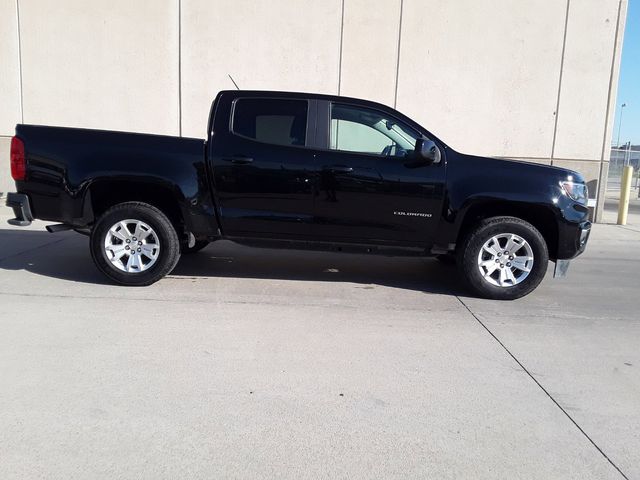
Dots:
pixel 361 130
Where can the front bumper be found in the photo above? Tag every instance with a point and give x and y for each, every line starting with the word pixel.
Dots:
pixel 585 231
pixel 572 239
pixel 576 246
pixel 19 202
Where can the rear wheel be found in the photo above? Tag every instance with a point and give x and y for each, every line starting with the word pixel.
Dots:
pixel 134 243
pixel 503 258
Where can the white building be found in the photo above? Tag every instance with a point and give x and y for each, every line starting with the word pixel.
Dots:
pixel 533 79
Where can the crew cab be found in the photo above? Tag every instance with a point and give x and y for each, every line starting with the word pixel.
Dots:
pixel 299 170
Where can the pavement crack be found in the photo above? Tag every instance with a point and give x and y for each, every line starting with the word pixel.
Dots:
pixel 624 227
pixel 532 377
pixel 190 301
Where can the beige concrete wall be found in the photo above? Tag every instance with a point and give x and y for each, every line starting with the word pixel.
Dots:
pixel 584 92
pixel 370 50
pixel 101 64
pixel 9 68
pixel 274 45
pixel 484 79
pixel 531 80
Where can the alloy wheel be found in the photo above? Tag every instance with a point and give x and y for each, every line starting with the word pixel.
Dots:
pixel 131 246
pixel 505 260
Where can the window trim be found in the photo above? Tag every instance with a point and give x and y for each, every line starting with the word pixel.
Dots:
pixel 309 140
pixel 326 146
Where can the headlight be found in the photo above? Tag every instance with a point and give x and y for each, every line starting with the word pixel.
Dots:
pixel 576 191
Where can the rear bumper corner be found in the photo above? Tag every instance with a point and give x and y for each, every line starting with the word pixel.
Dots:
pixel 19 202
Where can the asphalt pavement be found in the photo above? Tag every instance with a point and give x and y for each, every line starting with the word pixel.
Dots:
pixel 249 363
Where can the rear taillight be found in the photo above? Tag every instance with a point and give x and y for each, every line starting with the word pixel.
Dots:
pixel 18 162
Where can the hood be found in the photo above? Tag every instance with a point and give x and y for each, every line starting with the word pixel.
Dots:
pixel 525 168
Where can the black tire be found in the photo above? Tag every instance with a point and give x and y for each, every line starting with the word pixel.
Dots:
pixel 169 252
pixel 446 259
pixel 199 245
pixel 473 242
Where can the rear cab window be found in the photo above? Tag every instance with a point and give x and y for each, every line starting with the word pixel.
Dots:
pixel 271 120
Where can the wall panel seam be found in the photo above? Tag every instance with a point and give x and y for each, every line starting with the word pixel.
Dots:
pixel 395 96
pixel 180 68
pixel 613 64
pixel 340 52
pixel 19 61
pixel 600 201
pixel 564 44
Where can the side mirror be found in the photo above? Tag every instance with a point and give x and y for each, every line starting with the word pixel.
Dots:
pixel 425 153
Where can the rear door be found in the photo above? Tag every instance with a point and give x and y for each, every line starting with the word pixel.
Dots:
pixel 369 189
pixel 262 165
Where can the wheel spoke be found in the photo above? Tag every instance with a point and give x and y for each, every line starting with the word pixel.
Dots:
pixel 142 231
pixel 133 265
pixel 491 249
pixel 512 245
pixel 490 269
pixel 489 266
pixel 125 229
pixel 130 261
pixel 510 276
pixel 503 277
pixel 149 250
pixel 119 232
pixel 117 250
pixel 138 230
pixel 143 234
pixel 521 263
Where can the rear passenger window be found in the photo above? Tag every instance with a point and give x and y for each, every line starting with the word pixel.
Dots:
pixel 280 122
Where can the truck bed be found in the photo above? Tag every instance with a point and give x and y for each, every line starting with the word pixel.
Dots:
pixel 63 164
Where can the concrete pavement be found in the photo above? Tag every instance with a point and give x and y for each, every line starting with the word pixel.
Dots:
pixel 250 363
pixel 612 203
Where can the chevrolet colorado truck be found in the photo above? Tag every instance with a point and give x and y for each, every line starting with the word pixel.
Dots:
pixel 305 171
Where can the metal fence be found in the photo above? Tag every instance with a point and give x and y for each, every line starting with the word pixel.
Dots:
pixel 621 157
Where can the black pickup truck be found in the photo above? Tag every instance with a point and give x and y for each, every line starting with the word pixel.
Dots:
pixel 298 170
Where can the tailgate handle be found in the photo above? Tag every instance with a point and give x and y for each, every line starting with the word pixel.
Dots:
pixel 239 160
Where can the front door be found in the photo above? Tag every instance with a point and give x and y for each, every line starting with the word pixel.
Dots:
pixel 369 190
pixel 262 168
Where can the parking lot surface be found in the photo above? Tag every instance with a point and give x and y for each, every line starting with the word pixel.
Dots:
pixel 248 363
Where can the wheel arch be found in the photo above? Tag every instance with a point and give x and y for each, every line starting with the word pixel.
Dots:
pixel 541 217
pixel 103 194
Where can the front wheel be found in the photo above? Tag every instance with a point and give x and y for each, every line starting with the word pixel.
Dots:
pixel 134 243
pixel 503 258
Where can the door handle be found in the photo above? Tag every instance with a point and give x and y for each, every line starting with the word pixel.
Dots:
pixel 239 160
pixel 338 169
